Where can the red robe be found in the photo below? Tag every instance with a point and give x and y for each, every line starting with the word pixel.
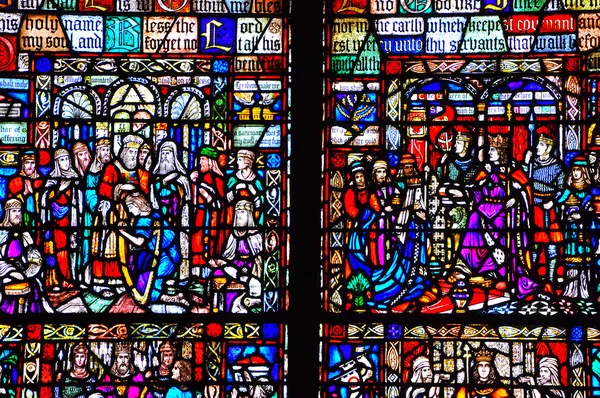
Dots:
pixel 209 237
pixel 354 202
pixel 16 189
pixel 483 392
pixel 106 246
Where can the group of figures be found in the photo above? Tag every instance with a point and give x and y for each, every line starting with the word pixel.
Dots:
pixel 169 377
pixel 133 230
pixel 510 231
pixel 480 379
pixel 81 381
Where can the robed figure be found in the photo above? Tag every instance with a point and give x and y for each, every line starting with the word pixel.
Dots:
pixel 20 265
pixel 579 217
pixel 209 188
pixel 154 254
pixel 119 178
pixel 484 383
pixel 62 206
pixel 361 206
pixel 27 186
pixel 495 244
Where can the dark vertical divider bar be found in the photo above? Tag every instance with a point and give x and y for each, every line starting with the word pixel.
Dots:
pixel 305 306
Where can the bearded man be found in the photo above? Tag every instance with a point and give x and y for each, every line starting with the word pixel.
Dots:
pixel 120 177
pixel 245 185
pixel 20 264
pixel 123 379
pixel 83 158
pixel 91 185
pixel 27 187
pixel 422 374
pixel 62 206
pixel 548 376
pixel 242 256
pixel 171 187
pixel 171 193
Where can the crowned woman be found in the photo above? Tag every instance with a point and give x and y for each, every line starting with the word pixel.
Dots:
pixel 495 244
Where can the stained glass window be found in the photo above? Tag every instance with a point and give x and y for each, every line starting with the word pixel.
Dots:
pixel 461 157
pixel 144 166
pixel 460 198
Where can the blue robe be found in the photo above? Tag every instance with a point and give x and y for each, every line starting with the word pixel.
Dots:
pixel 151 268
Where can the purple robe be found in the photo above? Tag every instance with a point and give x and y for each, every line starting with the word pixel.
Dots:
pixel 500 254
pixel 115 387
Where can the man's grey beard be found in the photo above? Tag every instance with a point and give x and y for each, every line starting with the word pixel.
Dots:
pixel 130 162
pixel 122 370
pixel 165 168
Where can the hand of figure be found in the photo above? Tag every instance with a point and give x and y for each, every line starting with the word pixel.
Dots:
pixel 488 167
pixel 527 379
pixel 194 176
pixel 548 205
pixel 215 262
pixel 73 240
pixel 28 187
pixel 104 206
pixel 511 202
pixel 456 193
pixel 64 184
pixel 528 156
pixel 170 177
